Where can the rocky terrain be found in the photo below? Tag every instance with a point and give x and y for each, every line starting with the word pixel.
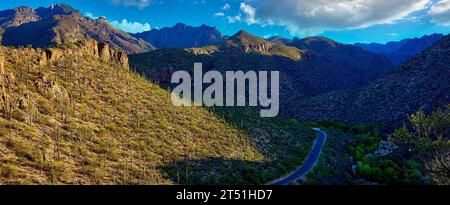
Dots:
pixel 17 17
pixel 61 24
pixel 182 36
pixel 399 52
pixel 420 83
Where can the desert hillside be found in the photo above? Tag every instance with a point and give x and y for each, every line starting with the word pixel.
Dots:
pixel 78 115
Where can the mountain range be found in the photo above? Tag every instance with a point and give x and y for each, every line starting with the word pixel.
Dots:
pixel 422 82
pixel 308 67
pixel 61 24
pixel 400 51
pixel 182 36
pixel 87 103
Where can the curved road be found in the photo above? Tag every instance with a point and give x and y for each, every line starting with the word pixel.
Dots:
pixel 310 162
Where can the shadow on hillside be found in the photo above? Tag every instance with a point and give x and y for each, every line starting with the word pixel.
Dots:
pixel 220 171
pixel 283 143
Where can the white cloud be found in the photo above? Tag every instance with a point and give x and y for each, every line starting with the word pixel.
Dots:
pixel 219 14
pixel 314 17
pixel 200 2
pixel 226 7
pixel 90 15
pixel 246 14
pixel 249 11
pixel 392 34
pixel 131 27
pixel 138 3
pixel 270 35
pixel 440 12
pixel 234 19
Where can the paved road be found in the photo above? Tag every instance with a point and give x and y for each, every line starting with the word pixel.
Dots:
pixel 310 162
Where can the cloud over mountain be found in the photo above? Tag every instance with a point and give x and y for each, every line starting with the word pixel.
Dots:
pixel 138 3
pixel 312 17
pixel 440 12
pixel 131 27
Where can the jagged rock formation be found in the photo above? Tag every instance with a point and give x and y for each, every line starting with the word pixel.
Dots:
pixel 61 24
pixel 420 83
pixel 182 36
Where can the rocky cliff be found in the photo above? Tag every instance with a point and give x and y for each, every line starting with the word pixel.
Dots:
pixel 87 47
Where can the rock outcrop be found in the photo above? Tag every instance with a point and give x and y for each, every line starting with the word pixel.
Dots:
pixel 87 47
pixel 100 50
pixel 247 43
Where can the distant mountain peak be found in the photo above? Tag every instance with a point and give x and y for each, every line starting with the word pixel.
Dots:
pixel 243 41
pixel 245 37
pixel 180 25
pixel 182 36
pixel 399 51
pixel 17 17
pixel 55 9
pixel 315 43
pixel 320 39
pixel 60 23
pixel 242 34
pixel 23 8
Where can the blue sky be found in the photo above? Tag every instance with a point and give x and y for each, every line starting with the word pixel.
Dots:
pixel 346 21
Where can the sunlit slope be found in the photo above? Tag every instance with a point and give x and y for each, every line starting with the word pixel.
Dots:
pixel 78 115
pixel 77 119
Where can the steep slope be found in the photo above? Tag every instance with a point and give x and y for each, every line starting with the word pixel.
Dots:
pixel 1 35
pixel 421 82
pixel 182 36
pixel 399 52
pixel 243 41
pixel 303 73
pixel 78 115
pixel 349 63
pixel 60 24
pixel 17 17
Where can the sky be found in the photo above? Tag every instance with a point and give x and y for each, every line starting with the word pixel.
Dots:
pixel 346 21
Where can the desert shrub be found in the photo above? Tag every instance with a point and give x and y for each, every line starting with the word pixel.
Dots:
pixel 9 171
pixel 428 139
